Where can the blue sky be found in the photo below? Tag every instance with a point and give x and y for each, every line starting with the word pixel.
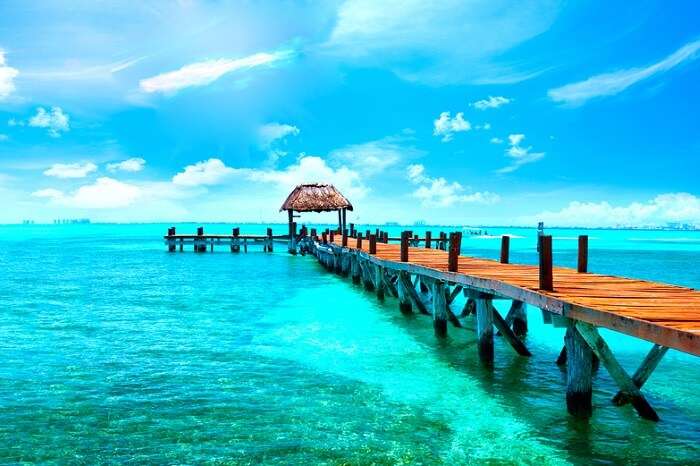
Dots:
pixel 474 112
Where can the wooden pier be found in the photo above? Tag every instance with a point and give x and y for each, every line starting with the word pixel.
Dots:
pixel 429 277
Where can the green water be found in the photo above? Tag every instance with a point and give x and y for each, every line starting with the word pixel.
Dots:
pixel 115 351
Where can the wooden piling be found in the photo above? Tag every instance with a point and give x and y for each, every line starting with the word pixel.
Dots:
pixel 582 254
pixel 379 281
pixel 484 329
pixel 518 314
pixel 344 238
pixel 235 242
pixel 546 276
pixel 270 243
pixel 505 249
pixel 355 272
pixel 579 378
pixel 372 244
pixel 439 308
pixel 332 236
pixel 455 247
pixel 200 244
pixel 358 244
pixel 405 235
pixel 404 295
pixel 428 239
pixel 442 244
pixel 171 241
pixel 324 238
pixel 352 230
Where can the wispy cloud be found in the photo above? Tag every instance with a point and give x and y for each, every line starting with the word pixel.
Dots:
pixel 55 121
pixel 206 72
pixel 613 83
pixel 70 170
pixel 518 154
pixel 446 126
pixel 372 157
pixel 104 193
pixel 7 77
pixel 491 102
pixel 438 192
pixel 271 132
pixel 134 164
pixel 205 173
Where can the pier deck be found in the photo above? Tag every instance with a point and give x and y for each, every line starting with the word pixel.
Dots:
pixel 665 314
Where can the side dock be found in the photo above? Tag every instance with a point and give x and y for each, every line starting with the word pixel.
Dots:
pixel 427 280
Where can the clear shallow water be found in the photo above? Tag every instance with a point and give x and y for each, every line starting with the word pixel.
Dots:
pixel 114 350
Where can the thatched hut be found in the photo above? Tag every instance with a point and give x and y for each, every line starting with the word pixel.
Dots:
pixel 315 197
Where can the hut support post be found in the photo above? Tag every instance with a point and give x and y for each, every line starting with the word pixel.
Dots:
pixel 484 328
pixel 292 247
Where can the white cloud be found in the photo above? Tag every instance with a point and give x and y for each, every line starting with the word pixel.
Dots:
pixel 455 41
pixel 663 209
pixel 206 72
pixel 446 127
pixel 205 173
pixel 438 192
pixel 518 154
pixel 134 164
pixel 491 102
pixel 55 121
pixel 372 157
pixel 495 140
pixel 272 132
pixel 7 77
pixel 613 83
pixel 105 193
pixel 70 170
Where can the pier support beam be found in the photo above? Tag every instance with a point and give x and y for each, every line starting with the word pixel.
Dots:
pixel 484 329
pixel 404 297
pixel 355 271
pixel 579 381
pixel 439 308
pixel 643 373
pixel 378 281
pixel 517 318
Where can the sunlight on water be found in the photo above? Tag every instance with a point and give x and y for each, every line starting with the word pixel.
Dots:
pixel 114 350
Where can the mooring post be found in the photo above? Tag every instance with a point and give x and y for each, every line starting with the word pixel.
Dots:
pixel 324 238
pixel 439 309
pixel 583 253
pixel 344 238
pixel 235 242
pixel 403 292
pixel 404 245
pixel 455 246
pixel 171 240
pixel 505 249
pixel 443 241
pixel 182 244
pixel 372 244
pixel 199 243
pixel 331 236
pixel 428 239
pixel 386 237
pixel 579 375
pixel 546 276
pixel 352 230
pixel 269 241
pixel 359 241
pixel 484 328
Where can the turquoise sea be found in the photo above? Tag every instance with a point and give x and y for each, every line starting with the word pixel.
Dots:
pixel 113 350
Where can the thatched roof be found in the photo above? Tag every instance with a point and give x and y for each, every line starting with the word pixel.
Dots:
pixel 315 197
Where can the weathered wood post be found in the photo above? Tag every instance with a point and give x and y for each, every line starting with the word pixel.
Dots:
pixel 455 247
pixel 331 236
pixel 344 238
pixel 270 243
pixel 403 292
pixel 484 328
pixel 583 253
pixel 505 249
pixel 579 378
pixel 359 241
pixel 546 275
pixel 385 237
pixel 372 244
pixel 235 242
pixel 200 244
pixel 439 308
pixel 519 318
pixel 405 235
pixel 292 231
pixel 379 281
pixel 355 268
pixel 367 233
pixel 428 239
pixel 171 241
pixel 314 234
pixel 352 230
pixel 443 241
pixel 182 244
pixel 324 237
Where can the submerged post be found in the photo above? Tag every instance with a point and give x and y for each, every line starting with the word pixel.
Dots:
pixel 484 328
pixel 505 249
pixel 583 253
pixel 546 276
pixel 439 309
pixel 403 292
pixel 405 235
pixel 455 246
